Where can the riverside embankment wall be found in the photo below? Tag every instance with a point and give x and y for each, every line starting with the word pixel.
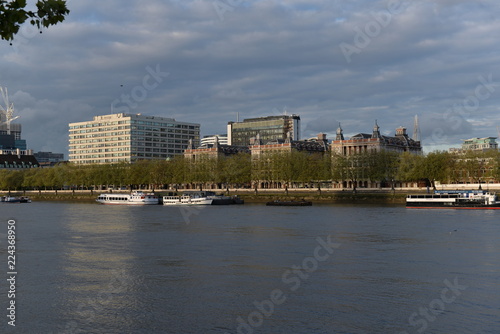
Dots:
pixel 327 195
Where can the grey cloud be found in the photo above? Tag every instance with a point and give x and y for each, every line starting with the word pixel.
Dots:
pixel 263 55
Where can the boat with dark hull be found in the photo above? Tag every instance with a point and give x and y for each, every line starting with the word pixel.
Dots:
pixel 289 203
pixel 454 199
pixel 11 199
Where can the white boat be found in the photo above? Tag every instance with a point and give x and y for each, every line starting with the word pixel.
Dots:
pixel 135 198
pixel 188 198
pixel 454 199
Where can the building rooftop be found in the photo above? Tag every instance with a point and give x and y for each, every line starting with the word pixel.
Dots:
pixel 17 161
pixel 268 118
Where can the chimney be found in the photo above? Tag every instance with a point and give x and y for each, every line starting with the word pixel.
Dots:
pixel 401 131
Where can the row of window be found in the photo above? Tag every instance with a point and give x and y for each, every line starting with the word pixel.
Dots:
pixel 136 124
pixel 143 130
pixel 108 198
pixel 81 144
pixel 75 150
pixel 114 137
pixel 98 135
pixel 107 161
pixel 88 156
pixel 93 158
pixel 100 129
pixel 177 145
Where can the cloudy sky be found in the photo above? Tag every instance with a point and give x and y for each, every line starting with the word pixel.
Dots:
pixel 204 61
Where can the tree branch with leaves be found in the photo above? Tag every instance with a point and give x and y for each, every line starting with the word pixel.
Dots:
pixel 13 14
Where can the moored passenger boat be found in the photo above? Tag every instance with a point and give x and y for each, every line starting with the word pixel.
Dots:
pixel 201 198
pixel 134 198
pixel 454 199
pixel 188 198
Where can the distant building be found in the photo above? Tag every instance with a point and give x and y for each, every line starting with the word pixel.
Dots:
pixel 17 159
pixel 13 151
pixel 48 158
pixel 214 154
pixel 12 140
pixel 313 145
pixel 129 137
pixel 10 133
pixel 353 149
pixel 374 142
pixel 7 141
pixel 270 128
pixel 263 169
pixel 213 150
pixel 15 128
pixel 477 145
pixel 210 140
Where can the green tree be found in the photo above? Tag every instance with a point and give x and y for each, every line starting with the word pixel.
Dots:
pixel 300 167
pixel 339 167
pixel 350 168
pixel 158 170
pixel 383 166
pixel 236 170
pixel 281 167
pixel 30 177
pixel 437 166
pixel 178 166
pixel 410 167
pixel 3 178
pixel 78 175
pixel 204 170
pixel 494 165
pixel 139 174
pixel 11 179
pixel 13 14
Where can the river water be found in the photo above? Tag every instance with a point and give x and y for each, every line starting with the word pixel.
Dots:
pixel 90 268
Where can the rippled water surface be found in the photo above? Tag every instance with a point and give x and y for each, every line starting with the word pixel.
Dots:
pixel 89 268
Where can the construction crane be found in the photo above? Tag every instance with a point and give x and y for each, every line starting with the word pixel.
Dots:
pixel 7 111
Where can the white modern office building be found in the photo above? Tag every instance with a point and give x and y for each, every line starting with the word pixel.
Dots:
pixel 212 139
pixel 129 137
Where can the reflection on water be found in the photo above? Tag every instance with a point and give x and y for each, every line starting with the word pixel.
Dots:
pixel 118 269
pixel 98 261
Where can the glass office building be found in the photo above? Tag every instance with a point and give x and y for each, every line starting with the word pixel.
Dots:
pixel 271 128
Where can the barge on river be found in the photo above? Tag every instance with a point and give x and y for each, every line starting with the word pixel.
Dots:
pixel 289 203
pixel 454 199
